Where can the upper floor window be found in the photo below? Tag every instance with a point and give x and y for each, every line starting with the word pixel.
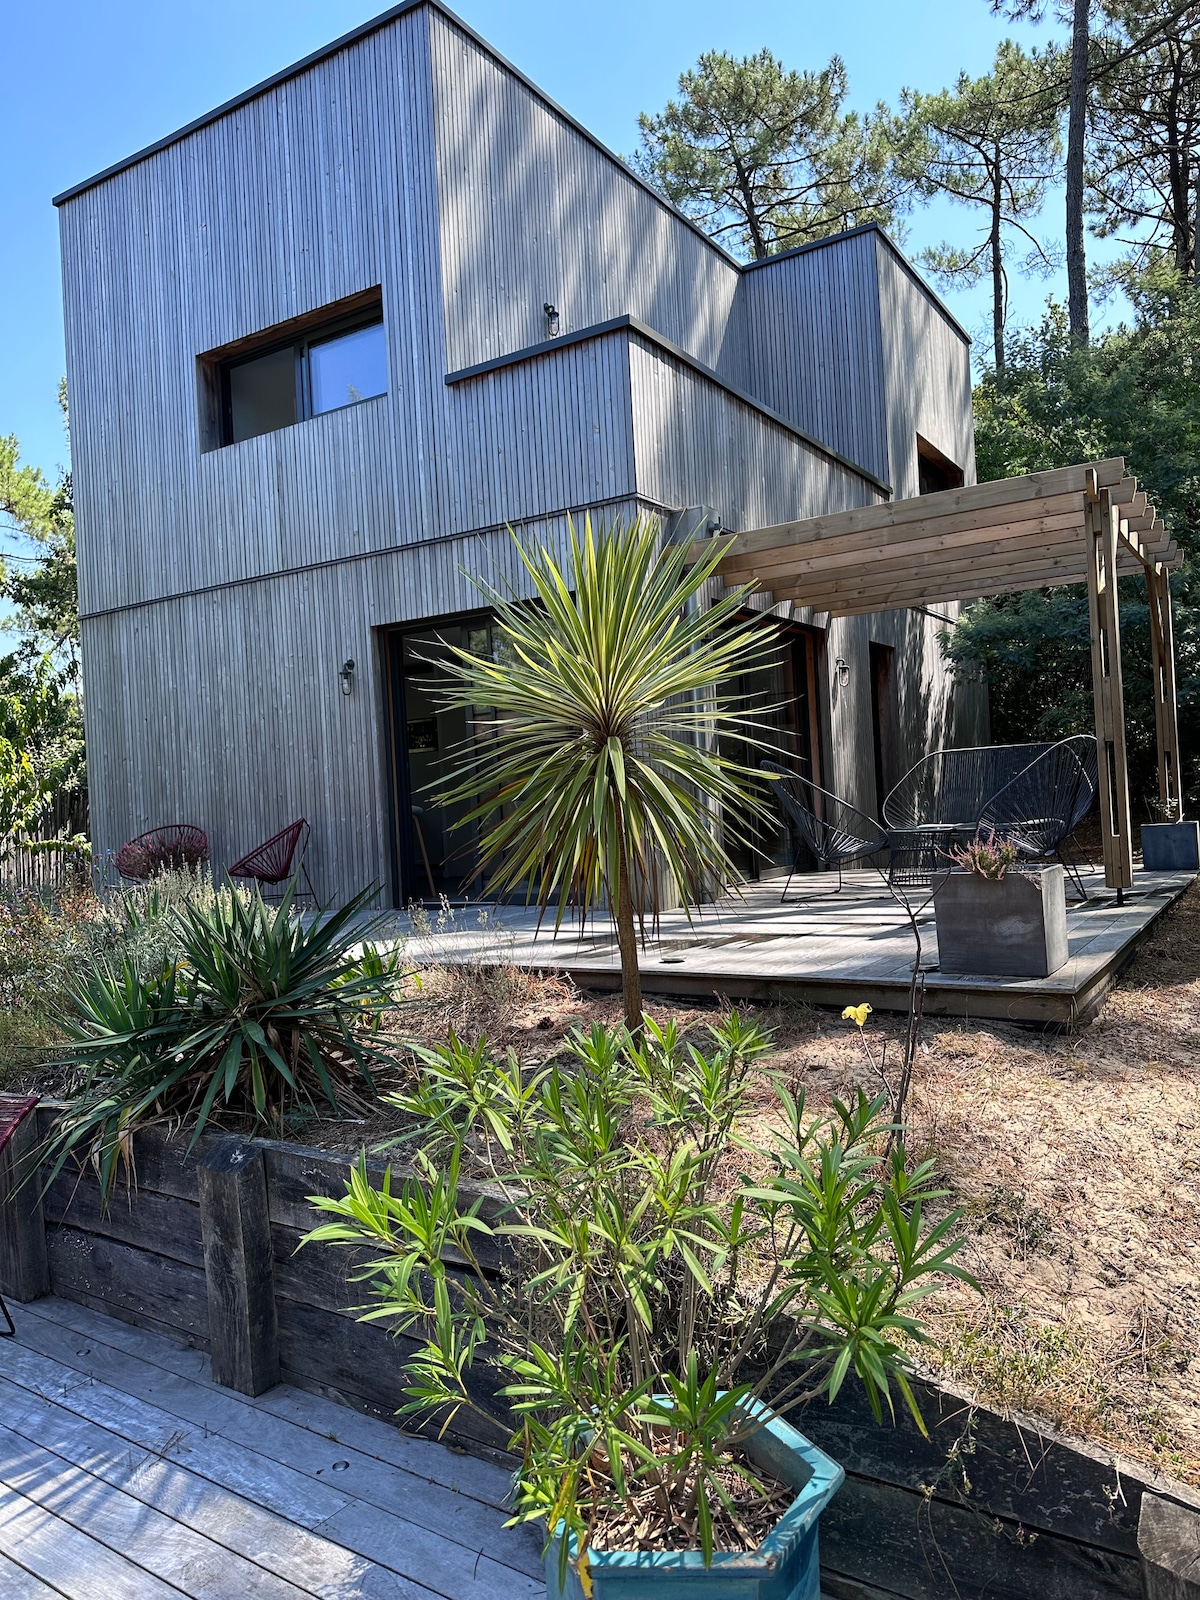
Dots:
pixel 318 363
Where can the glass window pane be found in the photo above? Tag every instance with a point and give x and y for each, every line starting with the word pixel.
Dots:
pixel 349 368
pixel 262 394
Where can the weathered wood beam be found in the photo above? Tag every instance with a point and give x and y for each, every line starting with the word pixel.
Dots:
pixel 1058 565
pixel 951 533
pixel 1107 691
pixel 238 1269
pixel 1166 712
pixel 963 588
pixel 1004 492
pixel 24 1265
pixel 1168 1539
pixel 996 555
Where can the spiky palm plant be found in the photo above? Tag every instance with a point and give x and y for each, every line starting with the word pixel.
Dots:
pixel 604 781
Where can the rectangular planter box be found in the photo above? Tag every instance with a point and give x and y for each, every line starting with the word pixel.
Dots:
pixel 1171 846
pixel 1013 927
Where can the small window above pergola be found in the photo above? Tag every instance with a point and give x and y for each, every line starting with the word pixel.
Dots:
pixel 1084 524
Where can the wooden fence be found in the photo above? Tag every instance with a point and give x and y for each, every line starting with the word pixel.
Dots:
pixel 203 1248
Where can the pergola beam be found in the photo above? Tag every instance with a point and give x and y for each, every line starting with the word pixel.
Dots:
pixel 1108 690
pixel 878 521
pixel 1087 524
pixel 1166 714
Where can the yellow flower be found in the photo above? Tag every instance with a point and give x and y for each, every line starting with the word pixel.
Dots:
pixel 858 1014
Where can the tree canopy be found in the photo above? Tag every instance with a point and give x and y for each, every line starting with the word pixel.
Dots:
pixel 42 773
pixel 765 159
pixel 1132 392
pixel 990 143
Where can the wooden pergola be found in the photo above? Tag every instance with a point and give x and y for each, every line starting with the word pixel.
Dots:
pixel 1084 524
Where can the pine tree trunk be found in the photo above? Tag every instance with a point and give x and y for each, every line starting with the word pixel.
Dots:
pixel 631 977
pixel 1077 295
pixel 997 262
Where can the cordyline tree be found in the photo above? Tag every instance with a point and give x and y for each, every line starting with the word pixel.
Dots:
pixel 991 143
pixel 765 159
pixel 600 785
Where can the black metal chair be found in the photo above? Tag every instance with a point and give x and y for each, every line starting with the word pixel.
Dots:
pixel 937 802
pixel 833 830
pixel 1039 809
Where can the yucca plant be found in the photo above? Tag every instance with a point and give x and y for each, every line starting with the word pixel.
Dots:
pixel 254 1011
pixel 605 780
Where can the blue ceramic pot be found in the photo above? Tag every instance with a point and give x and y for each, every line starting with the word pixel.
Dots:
pixel 786 1566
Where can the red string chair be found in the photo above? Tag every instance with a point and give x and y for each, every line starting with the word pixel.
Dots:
pixel 179 845
pixel 274 861
pixel 14 1108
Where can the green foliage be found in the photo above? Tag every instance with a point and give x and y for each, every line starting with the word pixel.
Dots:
pixel 255 1011
pixel 41 724
pixel 651 1296
pixel 991 143
pixel 1131 393
pixel 44 588
pixel 41 741
pixel 1146 130
pixel 604 772
pixel 766 159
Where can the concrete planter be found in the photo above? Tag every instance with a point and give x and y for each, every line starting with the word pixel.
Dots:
pixel 1171 846
pixel 1013 927
pixel 786 1566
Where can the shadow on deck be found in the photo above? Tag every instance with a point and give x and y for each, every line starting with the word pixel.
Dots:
pixel 819 948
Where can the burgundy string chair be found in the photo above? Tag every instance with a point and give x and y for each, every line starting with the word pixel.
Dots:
pixel 274 861
pixel 14 1108
pixel 180 844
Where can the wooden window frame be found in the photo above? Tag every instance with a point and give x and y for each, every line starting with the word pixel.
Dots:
pixel 363 310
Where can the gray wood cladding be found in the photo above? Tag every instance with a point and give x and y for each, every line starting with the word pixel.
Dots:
pixel 531 213
pixel 805 335
pixel 222 589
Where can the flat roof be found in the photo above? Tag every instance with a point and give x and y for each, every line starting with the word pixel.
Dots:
pixel 365 29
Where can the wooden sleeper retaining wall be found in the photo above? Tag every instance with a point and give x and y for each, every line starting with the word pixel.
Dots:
pixel 202 1247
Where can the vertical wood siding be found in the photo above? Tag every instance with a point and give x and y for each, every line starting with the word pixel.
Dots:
pixel 927 376
pixel 531 213
pixel 698 445
pixel 805 337
pixel 223 590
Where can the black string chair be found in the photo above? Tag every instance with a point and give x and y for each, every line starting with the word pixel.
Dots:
pixel 831 828
pixel 950 787
pixel 1039 809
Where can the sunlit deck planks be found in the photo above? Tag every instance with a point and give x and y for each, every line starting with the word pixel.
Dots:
pixel 126 1473
pixel 822 948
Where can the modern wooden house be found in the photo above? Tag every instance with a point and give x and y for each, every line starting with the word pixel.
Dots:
pixel 324 343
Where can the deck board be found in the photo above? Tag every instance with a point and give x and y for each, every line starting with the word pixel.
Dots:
pixel 820 947
pixel 122 1475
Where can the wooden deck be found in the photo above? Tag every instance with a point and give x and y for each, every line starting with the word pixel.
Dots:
pixel 822 948
pixel 126 1474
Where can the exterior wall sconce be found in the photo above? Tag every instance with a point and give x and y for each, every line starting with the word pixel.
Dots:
pixel 551 320
pixel 842 667
pixel 347 676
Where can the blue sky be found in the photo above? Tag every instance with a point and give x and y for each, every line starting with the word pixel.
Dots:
pixel 92 83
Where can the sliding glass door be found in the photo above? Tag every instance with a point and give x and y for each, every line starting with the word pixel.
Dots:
pixel 435 847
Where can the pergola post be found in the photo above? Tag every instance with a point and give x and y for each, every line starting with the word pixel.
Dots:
pixel 1107 689
pixel 1166 717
